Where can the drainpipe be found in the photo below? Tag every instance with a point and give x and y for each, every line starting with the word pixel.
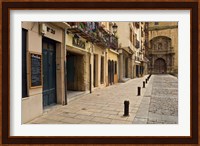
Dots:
pixel 65 67
pixel 91 48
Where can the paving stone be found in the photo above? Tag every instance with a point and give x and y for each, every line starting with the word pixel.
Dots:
pixel 100 115
pixel 102 120
pixel 139 121
pixel 106 105
pixel 163 104
pixel 84 117
pixel 120 122
pixel 71 120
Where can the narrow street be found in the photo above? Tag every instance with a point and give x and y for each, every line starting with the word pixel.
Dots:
pixel 158 104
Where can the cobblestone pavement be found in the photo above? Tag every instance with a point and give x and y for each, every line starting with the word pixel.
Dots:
pixel 160 103
pixel 157 104
pixel 103 106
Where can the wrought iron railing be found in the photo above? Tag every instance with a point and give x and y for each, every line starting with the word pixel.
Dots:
pixel 92 31
pixel 113 42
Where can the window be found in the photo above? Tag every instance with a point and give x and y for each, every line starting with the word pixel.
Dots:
pixel 131 35
pixel 142 32
pixel 115 67
pixel 156 23
pixel 24 64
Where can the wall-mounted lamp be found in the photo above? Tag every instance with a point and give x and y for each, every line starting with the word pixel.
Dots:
pixel 115 28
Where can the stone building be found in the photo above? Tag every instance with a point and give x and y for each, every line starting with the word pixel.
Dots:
pixel 98 65
pixel 140 63
pixel 163 47
pixel 126 50
pixel 132 59
pixel 43 46
pixel 61 60
pixel 111 53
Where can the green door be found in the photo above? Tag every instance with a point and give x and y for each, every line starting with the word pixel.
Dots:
pixel 49 72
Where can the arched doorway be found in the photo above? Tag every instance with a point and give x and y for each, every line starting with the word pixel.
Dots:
pixel 160 66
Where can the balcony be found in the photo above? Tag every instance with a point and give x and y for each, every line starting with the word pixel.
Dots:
pixel 86 30
pixel 102 39
pixel 137 45
pixel 113 42
pixel 94 32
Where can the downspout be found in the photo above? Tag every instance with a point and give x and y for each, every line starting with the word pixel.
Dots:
pixel 65 67
pixel 91 48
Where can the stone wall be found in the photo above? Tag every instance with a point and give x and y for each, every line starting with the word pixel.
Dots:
pixel 170 30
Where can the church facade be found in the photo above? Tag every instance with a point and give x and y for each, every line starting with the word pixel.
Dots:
pixel 163 48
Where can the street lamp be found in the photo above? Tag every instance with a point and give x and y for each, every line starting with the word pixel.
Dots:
pixel 115 28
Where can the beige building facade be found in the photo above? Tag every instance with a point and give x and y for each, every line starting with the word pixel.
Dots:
pixel 112 61
pixel 64 59
pixel 126 50
pixel 42 67
pixel 163 47
pixel 132 62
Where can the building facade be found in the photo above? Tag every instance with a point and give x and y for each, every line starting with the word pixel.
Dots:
pixel 61 60
pixel 132 59
pixel 163 47
pixel 112 54
pixel 42 67
pixel 64 59
pixel 126 50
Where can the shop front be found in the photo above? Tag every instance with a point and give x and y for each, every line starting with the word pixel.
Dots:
pixel 42 68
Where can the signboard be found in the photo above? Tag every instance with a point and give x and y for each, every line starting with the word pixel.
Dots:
pixel 36 70
pixel 78 43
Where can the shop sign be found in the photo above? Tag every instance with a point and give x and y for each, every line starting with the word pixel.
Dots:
pixel 36 71
pixel 78 43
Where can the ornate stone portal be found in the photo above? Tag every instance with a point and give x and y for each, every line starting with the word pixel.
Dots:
pixel 161 55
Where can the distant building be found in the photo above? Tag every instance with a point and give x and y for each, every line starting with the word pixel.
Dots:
pixel 140 65
pixel 163 47
pixel 132 59
pixel 126 50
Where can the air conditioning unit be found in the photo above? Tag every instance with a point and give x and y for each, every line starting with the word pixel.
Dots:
pixel 43 29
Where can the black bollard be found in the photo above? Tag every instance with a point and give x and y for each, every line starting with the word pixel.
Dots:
pixel 139 88
pixel 143 84
pixel 126 108
pixel 146 81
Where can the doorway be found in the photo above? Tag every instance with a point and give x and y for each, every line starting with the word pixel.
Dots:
pixel 49 72
pixel 160 66
pixel 95 71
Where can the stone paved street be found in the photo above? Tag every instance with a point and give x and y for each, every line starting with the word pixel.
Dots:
pixel 160 104
pixel 157 104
